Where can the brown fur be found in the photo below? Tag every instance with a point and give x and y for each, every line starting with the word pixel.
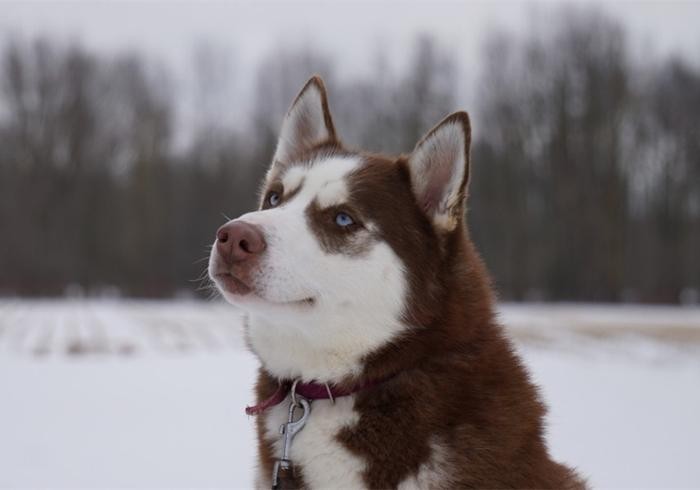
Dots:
pixel 453 377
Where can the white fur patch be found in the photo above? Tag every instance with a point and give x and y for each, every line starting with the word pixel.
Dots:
pixel 358 312
pixel 293 178
pixel 324 461
pixel 434 474
pixel 325 181
pixel 333 194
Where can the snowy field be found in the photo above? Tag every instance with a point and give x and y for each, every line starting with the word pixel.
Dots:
pixel 151 394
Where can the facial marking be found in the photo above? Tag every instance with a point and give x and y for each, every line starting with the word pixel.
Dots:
pixel 327 176
pixel 292 243
pixel 321 180
pixel 352 241
pixel 324 192
pixel 333 193
pixel 293 179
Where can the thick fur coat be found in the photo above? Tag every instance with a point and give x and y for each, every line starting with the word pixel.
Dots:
pixel 359 268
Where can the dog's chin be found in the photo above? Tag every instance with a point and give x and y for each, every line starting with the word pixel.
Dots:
pixel 239 293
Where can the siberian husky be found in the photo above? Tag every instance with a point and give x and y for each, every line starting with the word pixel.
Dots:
pixel 372 315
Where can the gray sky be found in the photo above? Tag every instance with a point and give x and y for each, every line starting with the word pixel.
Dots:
pixel 348 31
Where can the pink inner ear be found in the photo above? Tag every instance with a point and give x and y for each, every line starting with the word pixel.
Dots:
pixel 439 173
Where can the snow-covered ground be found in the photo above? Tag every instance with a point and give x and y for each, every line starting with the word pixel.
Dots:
pixel 151 394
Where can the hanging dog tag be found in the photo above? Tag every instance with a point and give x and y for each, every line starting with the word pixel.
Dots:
pixel 283 472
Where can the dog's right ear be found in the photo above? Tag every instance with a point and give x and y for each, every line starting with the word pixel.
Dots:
pixel 307 124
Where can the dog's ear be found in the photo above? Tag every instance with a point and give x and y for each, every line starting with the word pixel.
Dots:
pixel 307 124
pixel 439 169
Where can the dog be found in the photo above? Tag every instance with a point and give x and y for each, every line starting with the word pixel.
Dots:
pixel 372 315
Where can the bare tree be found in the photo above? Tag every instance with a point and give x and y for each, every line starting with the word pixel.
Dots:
pixel 585 177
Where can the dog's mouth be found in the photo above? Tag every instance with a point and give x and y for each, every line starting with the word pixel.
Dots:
pixel 233 285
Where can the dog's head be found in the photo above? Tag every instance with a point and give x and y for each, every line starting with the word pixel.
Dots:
pixel 345 246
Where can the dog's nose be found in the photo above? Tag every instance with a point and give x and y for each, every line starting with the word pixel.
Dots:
pixel 237 241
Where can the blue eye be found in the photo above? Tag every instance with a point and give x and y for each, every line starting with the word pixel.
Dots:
pixel 273 199
pixel 344 220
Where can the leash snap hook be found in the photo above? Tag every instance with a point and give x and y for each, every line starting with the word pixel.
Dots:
pixel 283 467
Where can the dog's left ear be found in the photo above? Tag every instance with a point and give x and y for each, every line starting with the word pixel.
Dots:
pixel 307 124
pixel 439 168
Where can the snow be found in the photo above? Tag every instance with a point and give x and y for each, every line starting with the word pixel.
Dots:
pixel 146 423
pixel 623 425
pixel 151 394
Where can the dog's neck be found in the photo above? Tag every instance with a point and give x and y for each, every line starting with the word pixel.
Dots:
pixel 327 350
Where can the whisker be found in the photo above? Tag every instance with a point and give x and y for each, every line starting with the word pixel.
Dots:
pixel 201 278
pixel 214 294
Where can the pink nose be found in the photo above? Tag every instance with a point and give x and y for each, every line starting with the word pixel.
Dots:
pixel 237 241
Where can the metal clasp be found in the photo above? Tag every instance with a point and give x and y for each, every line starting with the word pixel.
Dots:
pixel 289 430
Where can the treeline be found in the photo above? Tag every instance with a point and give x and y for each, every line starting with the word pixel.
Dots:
pixel 588 168
pixel 586 161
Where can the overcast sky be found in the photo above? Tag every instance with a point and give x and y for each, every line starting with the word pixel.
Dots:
pixel 348 31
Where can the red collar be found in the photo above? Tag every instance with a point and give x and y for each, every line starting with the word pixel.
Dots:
pixel 310 391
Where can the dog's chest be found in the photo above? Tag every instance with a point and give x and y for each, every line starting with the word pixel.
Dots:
pixel 324 461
